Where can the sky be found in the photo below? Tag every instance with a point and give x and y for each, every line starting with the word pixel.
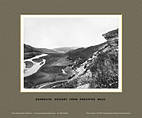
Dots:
pixel 54 31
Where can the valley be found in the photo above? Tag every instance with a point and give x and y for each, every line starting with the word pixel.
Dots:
pixel 81 68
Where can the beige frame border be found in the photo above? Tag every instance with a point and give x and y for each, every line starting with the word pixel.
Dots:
pixel 74 90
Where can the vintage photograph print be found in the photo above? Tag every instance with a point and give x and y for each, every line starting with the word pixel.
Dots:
pixel 71 53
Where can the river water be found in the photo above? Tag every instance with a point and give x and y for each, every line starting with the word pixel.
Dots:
pixel 35 66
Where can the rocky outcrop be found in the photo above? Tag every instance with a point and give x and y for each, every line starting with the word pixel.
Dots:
pixel 111 35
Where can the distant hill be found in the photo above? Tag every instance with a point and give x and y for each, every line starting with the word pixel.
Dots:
pixel 64 49
pixel 28 48
pixel 30 51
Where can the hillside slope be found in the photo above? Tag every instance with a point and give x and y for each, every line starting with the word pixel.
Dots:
pixel 100 70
